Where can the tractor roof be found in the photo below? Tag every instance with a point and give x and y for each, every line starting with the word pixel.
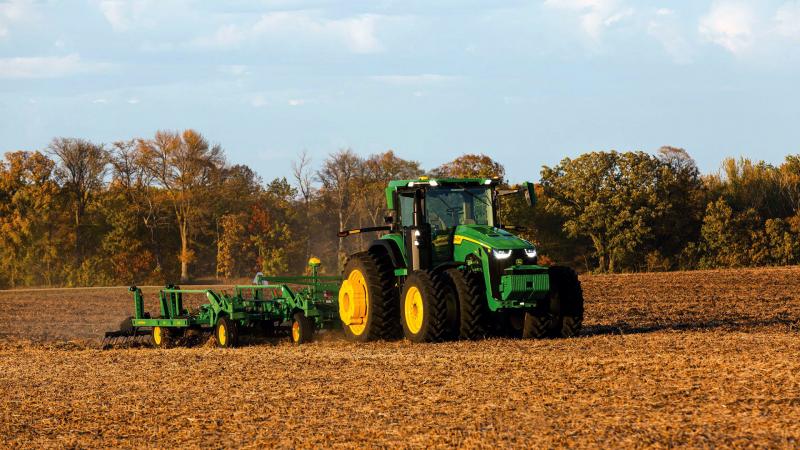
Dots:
pixel 434 181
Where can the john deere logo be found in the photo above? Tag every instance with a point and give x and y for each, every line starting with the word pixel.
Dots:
pixel 519 261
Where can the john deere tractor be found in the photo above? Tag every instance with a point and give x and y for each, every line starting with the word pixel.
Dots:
pixel 448 269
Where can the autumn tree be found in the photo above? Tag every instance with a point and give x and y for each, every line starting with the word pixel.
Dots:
pixel 612 198
pixel 184 165
pixel 27 202
pixel 471 166
pixel 304 180
pixel 339 179
pixel 81 166
pixel 376 173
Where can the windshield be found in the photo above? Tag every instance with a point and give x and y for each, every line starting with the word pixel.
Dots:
pixel 448 207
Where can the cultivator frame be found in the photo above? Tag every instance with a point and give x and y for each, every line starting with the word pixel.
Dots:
pixel 269 303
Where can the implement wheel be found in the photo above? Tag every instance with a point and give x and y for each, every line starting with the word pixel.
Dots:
pixel 367 299
pixel 302 329
pixel 163 337
pixel 423 308
pixel 226 333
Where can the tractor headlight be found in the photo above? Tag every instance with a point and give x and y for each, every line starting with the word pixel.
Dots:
pixel 501 254
pixel 530 252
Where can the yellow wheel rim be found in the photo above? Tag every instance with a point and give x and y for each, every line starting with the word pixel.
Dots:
pixel 413 309
pixel 354 302
pixel 222 337
pixel 296 331
pixel 157 335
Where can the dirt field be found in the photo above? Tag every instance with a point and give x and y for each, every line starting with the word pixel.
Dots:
pixel 698 359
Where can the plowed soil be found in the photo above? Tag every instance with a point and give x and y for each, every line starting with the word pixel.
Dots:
pixel 691 359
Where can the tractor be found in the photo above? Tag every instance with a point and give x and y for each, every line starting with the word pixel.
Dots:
pixel 446 268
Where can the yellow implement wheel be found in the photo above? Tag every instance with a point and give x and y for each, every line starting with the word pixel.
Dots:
pixel 162 337
pixel 302 328
pixel 412 304
pixel 226 333
pixel 222 335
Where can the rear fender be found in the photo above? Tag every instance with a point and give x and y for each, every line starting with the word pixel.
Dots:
pixel 391 247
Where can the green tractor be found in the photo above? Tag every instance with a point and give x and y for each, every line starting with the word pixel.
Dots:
pixel 448 269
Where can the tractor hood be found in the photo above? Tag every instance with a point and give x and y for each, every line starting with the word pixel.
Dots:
pixel 490 237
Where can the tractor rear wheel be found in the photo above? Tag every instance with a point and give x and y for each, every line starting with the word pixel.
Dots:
pixel 367 299
pixel 302 329
pixel 226 333
pixel 424 307
pixel 391 307
pixel 472 308
pixel 566 302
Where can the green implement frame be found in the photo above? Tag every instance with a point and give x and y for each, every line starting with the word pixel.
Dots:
pixel 307 303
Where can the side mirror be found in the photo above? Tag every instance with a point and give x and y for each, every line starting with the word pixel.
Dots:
pixel 530 193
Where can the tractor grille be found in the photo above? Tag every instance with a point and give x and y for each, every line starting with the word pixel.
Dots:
pixel 497 268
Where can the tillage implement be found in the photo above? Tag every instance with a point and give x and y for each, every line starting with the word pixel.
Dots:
pixel 268 306
pixel 448 269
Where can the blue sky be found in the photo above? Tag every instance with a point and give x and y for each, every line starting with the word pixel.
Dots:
pixel 526 82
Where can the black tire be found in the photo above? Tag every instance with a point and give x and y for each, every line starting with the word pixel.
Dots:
pixel 473 310
pixel 391 306
pixel 382 313
pixel 432 322
pixel 163 337
pixel 566 302
pixel 537 325
pixel 226 333
pixel 302 329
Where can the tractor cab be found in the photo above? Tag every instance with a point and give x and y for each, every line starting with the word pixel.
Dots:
pixel 428 212
pixel 433 215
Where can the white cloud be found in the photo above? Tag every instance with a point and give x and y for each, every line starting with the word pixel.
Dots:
pixel 100 100
pixel 787 20
pixel 668 30
pixel 125 15
pixel 134 101
pixel 594 15
pixel 426 78
pixel 48 66
pixel 357 33
pixel 13 12
pixel 730 24
pixel 296 102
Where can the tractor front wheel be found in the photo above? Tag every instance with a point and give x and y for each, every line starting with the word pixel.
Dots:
pixel 424 308
pixel 473 310
pixel 226 333
pixel 302 329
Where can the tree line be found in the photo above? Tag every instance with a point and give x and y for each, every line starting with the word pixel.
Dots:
pixel 171 207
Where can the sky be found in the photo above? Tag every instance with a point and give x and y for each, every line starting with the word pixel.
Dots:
pixel 525 82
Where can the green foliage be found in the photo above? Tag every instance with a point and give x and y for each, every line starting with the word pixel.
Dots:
pixel 614 199
pixel 146 210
